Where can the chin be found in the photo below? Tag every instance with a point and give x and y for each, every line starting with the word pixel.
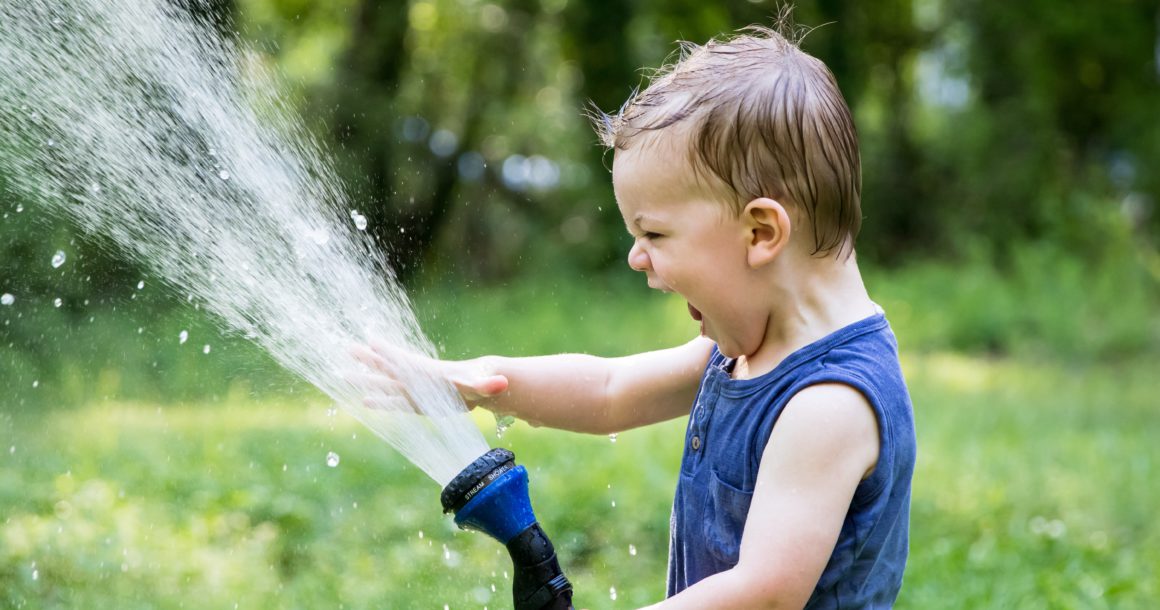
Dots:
pixel 732 350
pixel 729 351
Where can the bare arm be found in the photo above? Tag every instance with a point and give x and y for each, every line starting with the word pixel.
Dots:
pixel 569 391
pixel 599 395
pixel 822 446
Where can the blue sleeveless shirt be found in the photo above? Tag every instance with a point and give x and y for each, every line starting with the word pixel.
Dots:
pixel 729 427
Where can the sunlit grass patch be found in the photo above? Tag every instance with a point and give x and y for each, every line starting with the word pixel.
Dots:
pixel 1034 486
pixel 143 506
pixel 1033 489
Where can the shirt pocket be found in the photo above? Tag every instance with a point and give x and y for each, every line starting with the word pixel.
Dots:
pixel 725 516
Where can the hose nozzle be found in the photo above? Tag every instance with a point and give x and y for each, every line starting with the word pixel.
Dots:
pixel 491 496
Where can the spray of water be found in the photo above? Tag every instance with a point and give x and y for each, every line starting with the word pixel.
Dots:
pixel 136 121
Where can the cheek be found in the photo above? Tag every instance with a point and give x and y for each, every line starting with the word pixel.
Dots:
pixel 657 259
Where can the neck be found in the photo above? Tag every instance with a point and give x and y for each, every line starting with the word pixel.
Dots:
pixel 806 306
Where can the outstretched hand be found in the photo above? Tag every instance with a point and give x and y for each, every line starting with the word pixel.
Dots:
pixel 387 364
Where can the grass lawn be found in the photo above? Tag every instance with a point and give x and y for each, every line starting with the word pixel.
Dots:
pixel 1035 487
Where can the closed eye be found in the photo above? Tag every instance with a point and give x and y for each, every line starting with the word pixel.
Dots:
pixel 651 235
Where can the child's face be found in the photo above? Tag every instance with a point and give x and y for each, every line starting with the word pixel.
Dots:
pixel 689 242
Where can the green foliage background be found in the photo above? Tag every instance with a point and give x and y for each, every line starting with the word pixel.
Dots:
pixel 1010 233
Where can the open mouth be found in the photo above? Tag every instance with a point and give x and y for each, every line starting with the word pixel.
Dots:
pixel 694 312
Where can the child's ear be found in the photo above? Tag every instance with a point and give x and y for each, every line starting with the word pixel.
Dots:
pixel 768 228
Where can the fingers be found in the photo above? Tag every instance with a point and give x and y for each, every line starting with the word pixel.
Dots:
pixel 376 383
pixel 370 358
pixel 390 368
pixel 396 404
pixel 396 365
pixel 395 356
pixel 381 387
pixel 381 393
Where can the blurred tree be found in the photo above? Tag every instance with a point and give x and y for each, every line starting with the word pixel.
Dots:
pixel 458 126
pixel 458 123
pixel 367 79
pixel 1060 120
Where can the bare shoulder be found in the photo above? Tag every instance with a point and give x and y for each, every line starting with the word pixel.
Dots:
pixel 830 425
pixel 823 444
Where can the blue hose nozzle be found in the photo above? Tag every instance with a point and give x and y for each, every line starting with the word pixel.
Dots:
pixel 491 496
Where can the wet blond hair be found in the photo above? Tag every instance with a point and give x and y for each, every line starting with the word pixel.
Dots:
pixel 762 117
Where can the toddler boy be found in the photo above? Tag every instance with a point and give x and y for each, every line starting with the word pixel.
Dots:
pixel 737 173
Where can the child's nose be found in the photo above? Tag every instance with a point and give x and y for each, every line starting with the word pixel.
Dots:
pixel 638 258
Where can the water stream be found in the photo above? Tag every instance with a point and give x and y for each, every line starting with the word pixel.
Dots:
pixel 140 124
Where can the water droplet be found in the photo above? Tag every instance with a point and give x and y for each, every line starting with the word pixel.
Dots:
pixel 36 384
pixel 360 221
pixel 284 467
pixel 612 593
pixel 332 459
pixel 502 423
pixel 140 284
pixel 12 450
pixel 19 208
pixel 446 553
pixel 35 574
pixel 94 188
pixel 612 437
pixel 58 259
pixel 57 302
pixel 205 349
pixel 50 142
pixel 331 412
pixel 224 175
pixel 140 329
pixel 182 337
pixel 632 550
pixel 7 299
pixel 614 504
pixel 420 534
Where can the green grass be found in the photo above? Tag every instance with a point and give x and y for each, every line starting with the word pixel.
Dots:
pixel 208 505
pixel 1034 486
pixel 1034 489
